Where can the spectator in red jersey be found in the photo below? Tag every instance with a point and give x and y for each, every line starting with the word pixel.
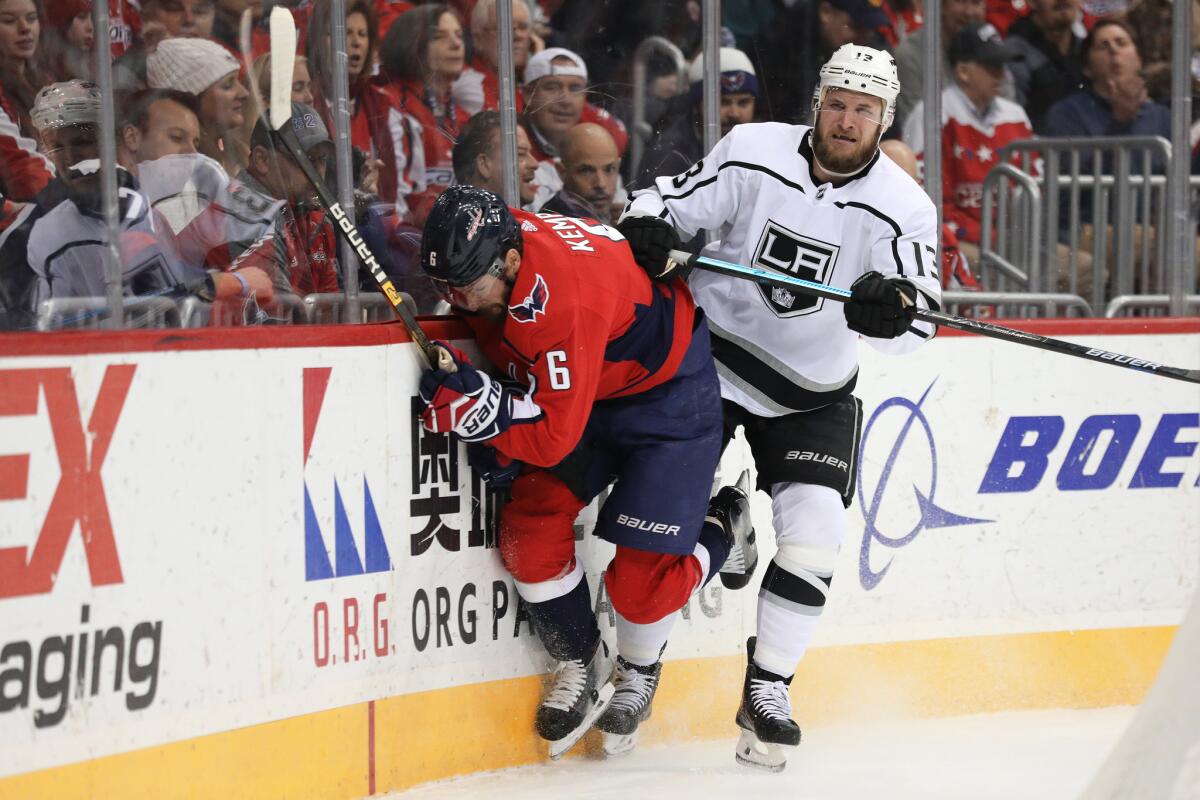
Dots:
pixel 124 26
pixel 956 270
pixel 1051 39
pixel 68 38
pixel 976 123
pixel 372 102
pixel 209 71
pixel 423 54
pixel 23 170
pixel 21 72
pixel 479 86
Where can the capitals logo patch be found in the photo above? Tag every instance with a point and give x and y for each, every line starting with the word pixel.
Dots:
pixel 534 304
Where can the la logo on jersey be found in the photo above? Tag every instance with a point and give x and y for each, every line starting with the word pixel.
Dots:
pixel 783 250
pixel 534 304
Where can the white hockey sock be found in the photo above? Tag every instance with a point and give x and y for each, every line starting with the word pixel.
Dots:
pixel 643 643
pixel 809 525
pixel 784 632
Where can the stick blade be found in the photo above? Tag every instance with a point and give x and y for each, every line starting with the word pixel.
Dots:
pixel 283 60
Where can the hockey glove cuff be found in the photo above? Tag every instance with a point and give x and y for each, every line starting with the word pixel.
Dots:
pixel 881 307
pixel 651 240
pixel 467 402
pixel 496 469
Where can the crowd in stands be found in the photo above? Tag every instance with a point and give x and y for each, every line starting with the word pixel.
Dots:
pixel 212 206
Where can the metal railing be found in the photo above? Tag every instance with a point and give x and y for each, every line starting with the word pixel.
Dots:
pixel 1015 304
pixel 1086 217
pixel 77 313
pixel 1116 188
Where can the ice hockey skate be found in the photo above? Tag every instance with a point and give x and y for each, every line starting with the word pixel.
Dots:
pixel 765 718
pixel 630 706
pixel 578 694
pixel 731 510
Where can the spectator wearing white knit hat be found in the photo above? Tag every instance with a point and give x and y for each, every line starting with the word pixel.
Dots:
pixel 681 144
pixel 209 71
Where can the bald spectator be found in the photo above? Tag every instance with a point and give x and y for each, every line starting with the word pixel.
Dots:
pixel 589 169
pixel 478 161
pixel 479 86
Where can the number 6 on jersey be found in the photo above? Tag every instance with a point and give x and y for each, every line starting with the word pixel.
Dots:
pixel 556 365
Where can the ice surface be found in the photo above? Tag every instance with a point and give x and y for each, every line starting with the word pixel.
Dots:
pixel 1032 755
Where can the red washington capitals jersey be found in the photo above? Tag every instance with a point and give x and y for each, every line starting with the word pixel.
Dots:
pixel 971 144
pixel 584 324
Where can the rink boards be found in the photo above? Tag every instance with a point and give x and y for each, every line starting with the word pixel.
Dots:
pixel 231 564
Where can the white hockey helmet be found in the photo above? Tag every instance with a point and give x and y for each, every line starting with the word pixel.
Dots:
pixel 861 69
pixel 61 105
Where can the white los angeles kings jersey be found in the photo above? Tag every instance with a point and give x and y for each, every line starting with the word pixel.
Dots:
pixel 778 352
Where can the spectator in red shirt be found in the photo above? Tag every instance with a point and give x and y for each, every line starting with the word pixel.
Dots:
pixel 479 87
pixel 372 101
pixel 21 75
pixel 423 54
pixel 976 123
pixel 23 171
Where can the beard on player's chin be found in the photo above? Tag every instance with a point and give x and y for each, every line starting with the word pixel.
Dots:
pixel 844 163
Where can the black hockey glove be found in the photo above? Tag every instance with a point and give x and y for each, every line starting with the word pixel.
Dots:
pixel 651 239
pixel 881 307
pixel 498 471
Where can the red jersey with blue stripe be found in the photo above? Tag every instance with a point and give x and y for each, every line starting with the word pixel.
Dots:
pixel 584 324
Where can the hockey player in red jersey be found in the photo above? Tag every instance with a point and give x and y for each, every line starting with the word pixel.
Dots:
pixel 617 384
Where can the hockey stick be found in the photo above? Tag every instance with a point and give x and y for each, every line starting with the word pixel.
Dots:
pixel 940 318
pixel 283 58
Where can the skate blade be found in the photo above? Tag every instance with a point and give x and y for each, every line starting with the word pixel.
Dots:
pixel 761 755
pixel 618 744
pixel 559 748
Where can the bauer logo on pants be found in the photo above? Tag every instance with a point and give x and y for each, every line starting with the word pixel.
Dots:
pixel 798 256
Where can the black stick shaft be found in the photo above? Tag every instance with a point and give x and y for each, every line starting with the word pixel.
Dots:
pixel 344 222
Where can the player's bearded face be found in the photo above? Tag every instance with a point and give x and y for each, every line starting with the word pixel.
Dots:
pixel 844 139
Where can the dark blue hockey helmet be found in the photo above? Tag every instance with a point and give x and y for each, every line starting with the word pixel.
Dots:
pixel 467 234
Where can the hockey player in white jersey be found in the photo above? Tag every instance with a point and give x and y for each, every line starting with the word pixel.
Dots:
pixel 822 204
